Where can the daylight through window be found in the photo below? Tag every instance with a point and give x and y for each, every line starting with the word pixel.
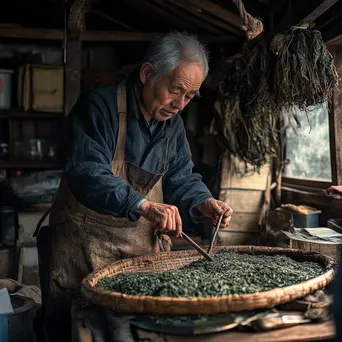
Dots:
pixel 308 146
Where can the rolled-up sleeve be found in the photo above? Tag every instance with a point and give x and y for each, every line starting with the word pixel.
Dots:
pixel 181 187
pixel 88 153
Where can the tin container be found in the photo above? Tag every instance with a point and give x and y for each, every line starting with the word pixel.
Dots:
pixel 310 220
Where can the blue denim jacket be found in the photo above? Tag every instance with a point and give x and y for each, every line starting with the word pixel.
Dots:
pixel 90 145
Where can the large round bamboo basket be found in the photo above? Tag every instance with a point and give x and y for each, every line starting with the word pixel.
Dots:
pixel 151 305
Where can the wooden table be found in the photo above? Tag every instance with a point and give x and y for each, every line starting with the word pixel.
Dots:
pixel 300 333
pixel 82 332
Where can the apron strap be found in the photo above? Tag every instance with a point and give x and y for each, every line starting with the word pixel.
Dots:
pixel 119 154
pixel 40 222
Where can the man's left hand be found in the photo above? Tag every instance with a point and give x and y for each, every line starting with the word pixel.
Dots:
pixel 213 209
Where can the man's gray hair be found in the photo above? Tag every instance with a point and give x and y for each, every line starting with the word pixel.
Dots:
pixel 169 51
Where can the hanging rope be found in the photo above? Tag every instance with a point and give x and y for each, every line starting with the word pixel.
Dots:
pixel 252 26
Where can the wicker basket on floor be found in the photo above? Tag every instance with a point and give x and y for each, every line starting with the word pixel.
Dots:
pixel 152 305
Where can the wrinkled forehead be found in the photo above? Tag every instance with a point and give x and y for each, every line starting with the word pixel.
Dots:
pixel 188 76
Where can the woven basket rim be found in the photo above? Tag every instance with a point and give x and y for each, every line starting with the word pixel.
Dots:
pixel 89 282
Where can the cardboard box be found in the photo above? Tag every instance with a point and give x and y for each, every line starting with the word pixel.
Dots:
pixel 41 88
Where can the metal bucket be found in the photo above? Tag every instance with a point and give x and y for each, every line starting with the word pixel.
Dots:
pixel 3 328
pixel 20 323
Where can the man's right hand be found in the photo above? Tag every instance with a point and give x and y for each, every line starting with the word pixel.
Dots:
pixel 166 217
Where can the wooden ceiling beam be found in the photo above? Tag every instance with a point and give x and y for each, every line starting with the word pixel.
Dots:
pixel 334 41
pixel 170 18
pixel 217 11
pixel 292 18
pixel 115 36
pixel 188 17
pixel 118 36
pixel 209 19
pixel 101 35
pixel 31 33
pixel 265 2
pixel 271 4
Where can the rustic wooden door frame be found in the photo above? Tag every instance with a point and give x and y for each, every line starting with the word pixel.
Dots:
pixel 335 119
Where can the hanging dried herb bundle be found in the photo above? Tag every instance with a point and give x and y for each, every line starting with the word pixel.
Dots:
pixel 246 83
pixel 230 273
pixel 253 139
pixel 293 69
pixel 304 72
pixel 247 111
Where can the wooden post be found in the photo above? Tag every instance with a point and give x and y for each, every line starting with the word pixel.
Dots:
pixel 335 118
pixel 72 74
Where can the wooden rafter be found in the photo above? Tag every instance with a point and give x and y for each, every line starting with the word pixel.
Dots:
pixel 31 33
pixel 218 11
pixel 334 41
pixel 188 17
pixel 272 4
pixel 107 36
pixel 198 12
pixel 147 6
pixel 291 18
pixel 265 2
pixel 102 35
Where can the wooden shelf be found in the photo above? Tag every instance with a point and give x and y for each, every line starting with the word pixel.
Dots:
pixel 31 33
pixel 29 165
pixel 21 114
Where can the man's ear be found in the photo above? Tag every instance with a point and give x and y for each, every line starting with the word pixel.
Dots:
pixel 146 71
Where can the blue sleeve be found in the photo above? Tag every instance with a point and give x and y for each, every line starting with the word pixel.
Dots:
pixel 181 187
pixel 88 154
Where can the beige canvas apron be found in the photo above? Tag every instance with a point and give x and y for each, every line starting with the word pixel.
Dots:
pixel 79 240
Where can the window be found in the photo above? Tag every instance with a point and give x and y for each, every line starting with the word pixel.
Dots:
pixel 307 147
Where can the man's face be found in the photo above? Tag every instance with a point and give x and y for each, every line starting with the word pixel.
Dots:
pixel 170 94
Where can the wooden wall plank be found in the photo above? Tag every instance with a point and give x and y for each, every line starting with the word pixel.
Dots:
pixel 28 130
pixel 238 238
pixel 242 222
pixel 231 180
pixel 242 200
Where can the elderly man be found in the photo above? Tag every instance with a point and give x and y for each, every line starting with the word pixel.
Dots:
pixel 127 172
